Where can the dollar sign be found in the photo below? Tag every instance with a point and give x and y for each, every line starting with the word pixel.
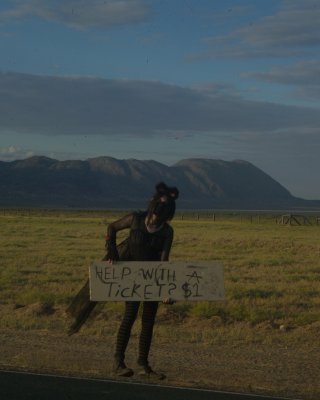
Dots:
pixel 187 291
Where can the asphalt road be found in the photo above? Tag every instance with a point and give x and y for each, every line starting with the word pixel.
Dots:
pixel 27 386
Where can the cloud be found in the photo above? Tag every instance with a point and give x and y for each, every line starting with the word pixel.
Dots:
pixel 50 105
pixel 296 24
pixel 80 13
pixel 11 153
pixel 304 75
pixel 14 153
pixel 292 29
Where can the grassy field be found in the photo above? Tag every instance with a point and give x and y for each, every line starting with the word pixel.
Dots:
pixel 272 272
pixel 264 338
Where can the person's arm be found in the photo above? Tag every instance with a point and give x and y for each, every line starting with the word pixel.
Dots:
pixel 167 245
pixel 165 257
pixel 111 238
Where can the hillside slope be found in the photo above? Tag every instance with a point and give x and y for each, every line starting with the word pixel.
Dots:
pixel 106 182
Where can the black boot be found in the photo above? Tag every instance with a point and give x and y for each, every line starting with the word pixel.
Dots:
pixel 120 369
pixel 147 372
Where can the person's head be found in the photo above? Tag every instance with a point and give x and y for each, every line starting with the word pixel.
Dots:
pixel 162 205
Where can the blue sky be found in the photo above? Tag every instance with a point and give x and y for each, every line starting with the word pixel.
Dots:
pixel 164 80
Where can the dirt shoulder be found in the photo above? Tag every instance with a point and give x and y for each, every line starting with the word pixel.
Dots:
pixel 282 370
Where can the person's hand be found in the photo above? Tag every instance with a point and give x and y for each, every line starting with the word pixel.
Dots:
pixel 168 300
pixel 112 253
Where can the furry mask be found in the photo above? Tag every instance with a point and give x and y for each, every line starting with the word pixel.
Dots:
pixel 163 209
pixel 163 190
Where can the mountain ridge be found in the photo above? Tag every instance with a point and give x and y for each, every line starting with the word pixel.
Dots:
pixel 105 181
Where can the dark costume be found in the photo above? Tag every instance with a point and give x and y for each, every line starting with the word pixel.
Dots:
pixel 150 239
pixel 141 245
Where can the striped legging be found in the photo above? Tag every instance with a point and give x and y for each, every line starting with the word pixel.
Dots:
pixel 148 316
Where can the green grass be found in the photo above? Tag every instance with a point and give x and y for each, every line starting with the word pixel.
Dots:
pixel 272 272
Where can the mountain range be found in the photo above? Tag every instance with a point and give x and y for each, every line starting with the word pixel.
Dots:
pixel 106 182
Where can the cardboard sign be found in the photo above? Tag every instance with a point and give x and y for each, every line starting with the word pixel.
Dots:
pixel 156 280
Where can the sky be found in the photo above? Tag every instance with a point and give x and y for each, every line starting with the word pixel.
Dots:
pixel 164 80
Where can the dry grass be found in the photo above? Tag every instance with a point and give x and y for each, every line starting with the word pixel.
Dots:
pixel 272 282
pixel 272 272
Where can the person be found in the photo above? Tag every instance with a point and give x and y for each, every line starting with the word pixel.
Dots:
pixel 150 239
